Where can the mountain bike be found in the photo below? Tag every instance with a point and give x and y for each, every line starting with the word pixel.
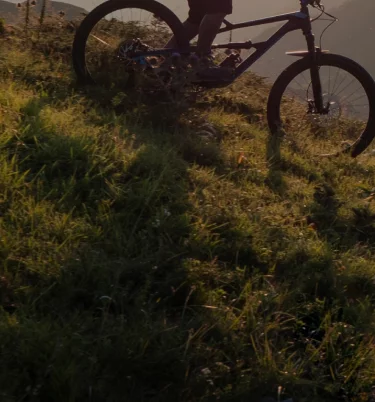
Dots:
pixel 325 94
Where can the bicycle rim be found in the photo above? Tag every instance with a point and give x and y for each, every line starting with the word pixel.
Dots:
pixel 114 39
pixel 347 103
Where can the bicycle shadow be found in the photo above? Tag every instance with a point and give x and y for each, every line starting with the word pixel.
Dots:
pixel 126 256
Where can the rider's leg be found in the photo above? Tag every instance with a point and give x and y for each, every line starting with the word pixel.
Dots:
pixel 208 30
pixel 207 26
pixel 206 18
pixel 213 13
pixel 191 30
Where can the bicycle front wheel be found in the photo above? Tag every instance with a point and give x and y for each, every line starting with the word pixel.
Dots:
pixel 114 31
pixel 347 123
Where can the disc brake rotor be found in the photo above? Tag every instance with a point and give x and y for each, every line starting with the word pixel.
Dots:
pixel 331 114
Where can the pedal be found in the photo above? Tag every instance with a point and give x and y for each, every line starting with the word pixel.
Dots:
pixel 231 61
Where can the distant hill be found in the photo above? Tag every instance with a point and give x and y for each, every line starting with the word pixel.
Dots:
pixel 11 13
pixel 353 36
pixel 8 11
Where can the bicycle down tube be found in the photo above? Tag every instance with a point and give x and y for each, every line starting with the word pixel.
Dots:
pixel 295 21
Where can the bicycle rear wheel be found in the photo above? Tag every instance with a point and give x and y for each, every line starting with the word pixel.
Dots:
pixel 348 123
pixel 109 35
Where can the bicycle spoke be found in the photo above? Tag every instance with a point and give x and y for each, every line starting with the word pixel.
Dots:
pixel 362 96
pixel 300 85
pixel 353 80
pixel 308 81
pixel 334 84
pixel 329 80
pixel 339 85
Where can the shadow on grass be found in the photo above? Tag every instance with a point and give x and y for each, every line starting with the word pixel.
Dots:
pixel 275 180
pixel 342 285
pixel 104 289
pixel 338 231
pixel 121 294
pixel 116 293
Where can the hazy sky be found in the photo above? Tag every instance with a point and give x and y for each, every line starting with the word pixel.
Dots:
pixel 243 9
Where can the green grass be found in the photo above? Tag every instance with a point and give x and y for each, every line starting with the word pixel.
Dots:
pixel 143 261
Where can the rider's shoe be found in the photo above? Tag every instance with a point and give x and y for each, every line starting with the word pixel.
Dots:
pixel 208 71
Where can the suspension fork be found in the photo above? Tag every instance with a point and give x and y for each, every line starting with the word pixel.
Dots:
pixel 314 70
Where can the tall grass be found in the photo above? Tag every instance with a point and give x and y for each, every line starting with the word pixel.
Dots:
pixel 42 14
pixel 145 260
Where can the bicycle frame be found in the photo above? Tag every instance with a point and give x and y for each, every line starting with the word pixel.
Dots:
pixel 294 21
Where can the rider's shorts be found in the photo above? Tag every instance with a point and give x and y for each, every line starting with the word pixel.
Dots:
pixel 199 8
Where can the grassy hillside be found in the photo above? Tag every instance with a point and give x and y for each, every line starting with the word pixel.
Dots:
pixel 11 14
pixel 155 252
pixel 351 36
